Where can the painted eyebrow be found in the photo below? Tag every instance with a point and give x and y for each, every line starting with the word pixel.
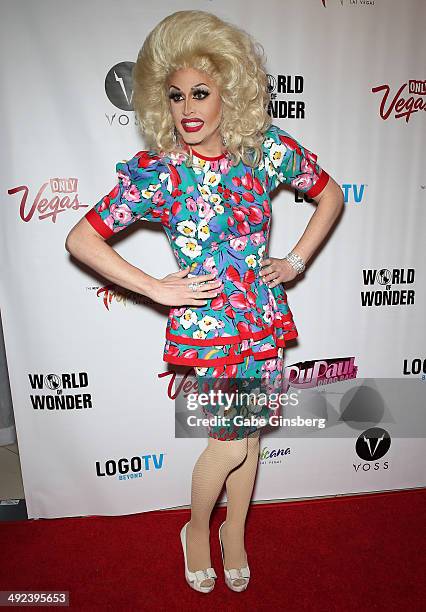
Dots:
pixel 193 87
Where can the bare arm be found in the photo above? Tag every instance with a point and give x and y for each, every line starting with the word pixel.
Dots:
pixel 87 245
pixel 330 204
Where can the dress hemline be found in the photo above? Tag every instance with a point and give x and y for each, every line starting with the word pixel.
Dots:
pixel 232 359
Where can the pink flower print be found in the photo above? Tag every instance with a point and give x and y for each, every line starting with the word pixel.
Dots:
pixel 178 158
pixel 266 347
pixel 191 204
pixel 267 314
pixel 132 194
pixel 106 201
pixel 190 189
pixel 304 181
pixel 121 213
pixel 239 243
pixel 178 312
pixel 158 197
pixel 244 345
pixel 109 221
pixel 257 238
pixel 273 303
pixel 204 206
pixel 224 165
pixel 124 178
pixel 206 211
pixel 210 265
pixel 269 365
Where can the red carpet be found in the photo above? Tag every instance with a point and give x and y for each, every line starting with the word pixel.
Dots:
pixel 350 553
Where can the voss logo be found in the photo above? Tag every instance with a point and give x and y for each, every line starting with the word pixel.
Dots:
pixel 119 91
pixel 371 446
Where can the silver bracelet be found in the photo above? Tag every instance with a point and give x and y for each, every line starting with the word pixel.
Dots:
pixel 296 261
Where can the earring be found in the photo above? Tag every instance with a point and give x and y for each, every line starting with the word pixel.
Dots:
pixel 174 135
pixel 224 141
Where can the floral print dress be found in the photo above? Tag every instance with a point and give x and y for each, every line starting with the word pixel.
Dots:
pixel 217 219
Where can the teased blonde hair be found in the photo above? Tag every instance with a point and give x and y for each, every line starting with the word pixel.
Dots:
pixel 229 55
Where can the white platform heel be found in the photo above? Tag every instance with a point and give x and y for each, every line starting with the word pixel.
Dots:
pixel 232 575
pixel 194 579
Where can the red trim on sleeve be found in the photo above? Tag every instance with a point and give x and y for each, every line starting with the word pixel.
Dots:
pixel 319 185
pixel 96 221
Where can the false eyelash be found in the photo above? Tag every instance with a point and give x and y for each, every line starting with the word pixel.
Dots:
pixel 203 91
pixel 196 91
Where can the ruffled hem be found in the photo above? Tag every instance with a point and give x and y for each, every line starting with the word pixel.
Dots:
pixel 264 344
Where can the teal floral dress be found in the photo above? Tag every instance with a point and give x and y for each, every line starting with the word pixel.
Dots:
pixel 217 219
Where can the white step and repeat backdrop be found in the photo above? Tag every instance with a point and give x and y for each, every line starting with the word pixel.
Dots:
pixel 93 398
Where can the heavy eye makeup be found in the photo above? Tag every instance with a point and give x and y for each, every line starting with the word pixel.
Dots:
pixel 198 91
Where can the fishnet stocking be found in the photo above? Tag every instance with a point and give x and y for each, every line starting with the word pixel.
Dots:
pixel 239 489
pixel 209 474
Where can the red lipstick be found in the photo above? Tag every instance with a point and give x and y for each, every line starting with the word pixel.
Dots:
pixel 192 125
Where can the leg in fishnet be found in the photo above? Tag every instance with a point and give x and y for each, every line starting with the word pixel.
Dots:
pixel 210 471
pixel 239 489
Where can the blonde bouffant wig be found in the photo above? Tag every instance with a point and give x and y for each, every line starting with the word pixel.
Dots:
pixel 229 55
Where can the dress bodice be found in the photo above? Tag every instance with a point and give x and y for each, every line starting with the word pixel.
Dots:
pixel 217 218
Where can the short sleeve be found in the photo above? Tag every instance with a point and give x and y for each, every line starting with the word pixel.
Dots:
pixel 288 161
pixel 139 194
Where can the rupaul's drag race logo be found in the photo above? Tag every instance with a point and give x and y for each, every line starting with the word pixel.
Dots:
pixel 316 373
pixel 388 287
pixel 300 375
pixel 408 99
pixel 55 196
pixel 67 391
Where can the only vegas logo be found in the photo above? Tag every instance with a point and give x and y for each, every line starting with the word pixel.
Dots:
pixel 384 287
